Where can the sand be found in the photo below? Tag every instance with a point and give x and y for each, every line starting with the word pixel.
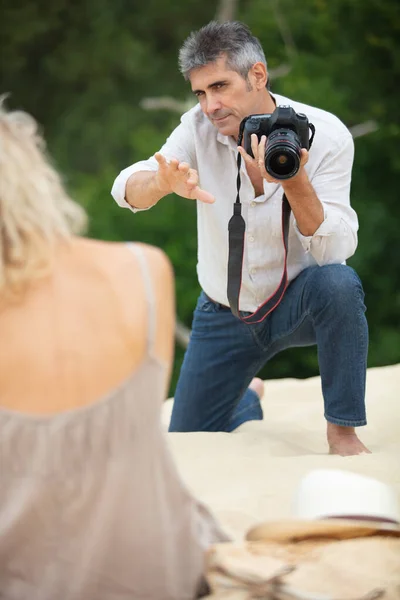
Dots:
pixel 250 475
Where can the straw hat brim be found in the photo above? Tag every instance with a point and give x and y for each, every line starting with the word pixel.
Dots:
pixel 293 530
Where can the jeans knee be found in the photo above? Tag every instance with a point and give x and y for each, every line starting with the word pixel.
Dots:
pixel 336 286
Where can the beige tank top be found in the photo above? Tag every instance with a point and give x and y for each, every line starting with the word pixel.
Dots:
pixel 91 504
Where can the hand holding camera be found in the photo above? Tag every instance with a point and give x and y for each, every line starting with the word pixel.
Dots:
pixel 179 178
pixel 257 159
pixel 277 143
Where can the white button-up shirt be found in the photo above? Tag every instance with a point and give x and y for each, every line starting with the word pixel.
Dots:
pixel 197 142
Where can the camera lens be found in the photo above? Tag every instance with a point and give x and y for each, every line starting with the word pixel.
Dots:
pixel 282 165
pixel 282 154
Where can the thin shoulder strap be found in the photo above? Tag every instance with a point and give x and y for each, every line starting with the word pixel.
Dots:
pixel 137 250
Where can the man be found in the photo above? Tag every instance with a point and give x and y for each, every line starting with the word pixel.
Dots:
pixel 323 304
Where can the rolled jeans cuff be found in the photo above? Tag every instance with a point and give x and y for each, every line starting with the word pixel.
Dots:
pixel 346 423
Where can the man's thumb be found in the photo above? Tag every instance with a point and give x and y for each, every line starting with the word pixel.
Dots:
pixel 203 196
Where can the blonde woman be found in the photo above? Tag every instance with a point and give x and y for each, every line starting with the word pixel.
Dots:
pixel 91 506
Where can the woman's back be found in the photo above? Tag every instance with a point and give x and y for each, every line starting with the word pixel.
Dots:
pixel 77 334
pixel 91 505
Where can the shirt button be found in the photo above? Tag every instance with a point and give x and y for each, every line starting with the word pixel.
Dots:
pixel 251 238
pixel 253 271
pixel 253 203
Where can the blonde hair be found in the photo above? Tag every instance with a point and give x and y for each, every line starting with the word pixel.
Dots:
pixel 35 210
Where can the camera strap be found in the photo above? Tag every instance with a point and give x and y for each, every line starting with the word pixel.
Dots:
pixel 237 231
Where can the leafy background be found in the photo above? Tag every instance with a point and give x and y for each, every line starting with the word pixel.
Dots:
pixel 83 69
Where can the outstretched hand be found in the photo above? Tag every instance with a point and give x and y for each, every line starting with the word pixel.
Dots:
pixel 178 178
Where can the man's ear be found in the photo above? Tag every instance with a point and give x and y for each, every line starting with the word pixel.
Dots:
pixel 258 75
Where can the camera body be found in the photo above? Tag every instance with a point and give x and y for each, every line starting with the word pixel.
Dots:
pixel 287 133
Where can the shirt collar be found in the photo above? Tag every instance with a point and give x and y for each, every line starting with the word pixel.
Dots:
pixel 227 140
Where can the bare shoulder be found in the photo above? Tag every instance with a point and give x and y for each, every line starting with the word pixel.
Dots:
pixel 121 252
pixel 157 260
pixel 118 260
pixel 163 284
pixel 162 275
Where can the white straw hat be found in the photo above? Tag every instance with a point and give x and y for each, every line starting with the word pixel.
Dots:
pixel 330 493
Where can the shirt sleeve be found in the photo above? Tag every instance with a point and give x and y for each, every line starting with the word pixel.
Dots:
pixel 179 145
pixel 336 238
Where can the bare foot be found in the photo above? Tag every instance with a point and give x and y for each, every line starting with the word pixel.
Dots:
pixel 257 385
pixel 344 441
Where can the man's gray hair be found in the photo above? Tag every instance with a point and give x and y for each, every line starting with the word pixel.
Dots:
pixel 231 38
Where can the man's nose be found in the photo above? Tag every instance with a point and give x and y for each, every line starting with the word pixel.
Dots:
pixel 212 105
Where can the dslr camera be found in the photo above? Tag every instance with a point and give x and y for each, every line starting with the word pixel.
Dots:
pixel 287 133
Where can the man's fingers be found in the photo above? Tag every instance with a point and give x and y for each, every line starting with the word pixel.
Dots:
pixel 304 157
pixel 261 147
pixel 160 159
pixel 190 177
pixel 164 164
pixel 246 157
pixel 196 192
pixel 184 167
pixel 174 163
pixel 254 145
pixel 193 177
pixel 203 196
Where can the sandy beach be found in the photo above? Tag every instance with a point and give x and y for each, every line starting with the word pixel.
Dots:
pixel 250 475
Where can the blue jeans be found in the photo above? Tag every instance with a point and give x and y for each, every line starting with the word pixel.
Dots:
pixel 322 306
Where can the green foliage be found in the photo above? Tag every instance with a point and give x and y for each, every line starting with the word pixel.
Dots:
pixel 82 68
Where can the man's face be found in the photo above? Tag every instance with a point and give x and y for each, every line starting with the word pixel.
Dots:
pixel 225 97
